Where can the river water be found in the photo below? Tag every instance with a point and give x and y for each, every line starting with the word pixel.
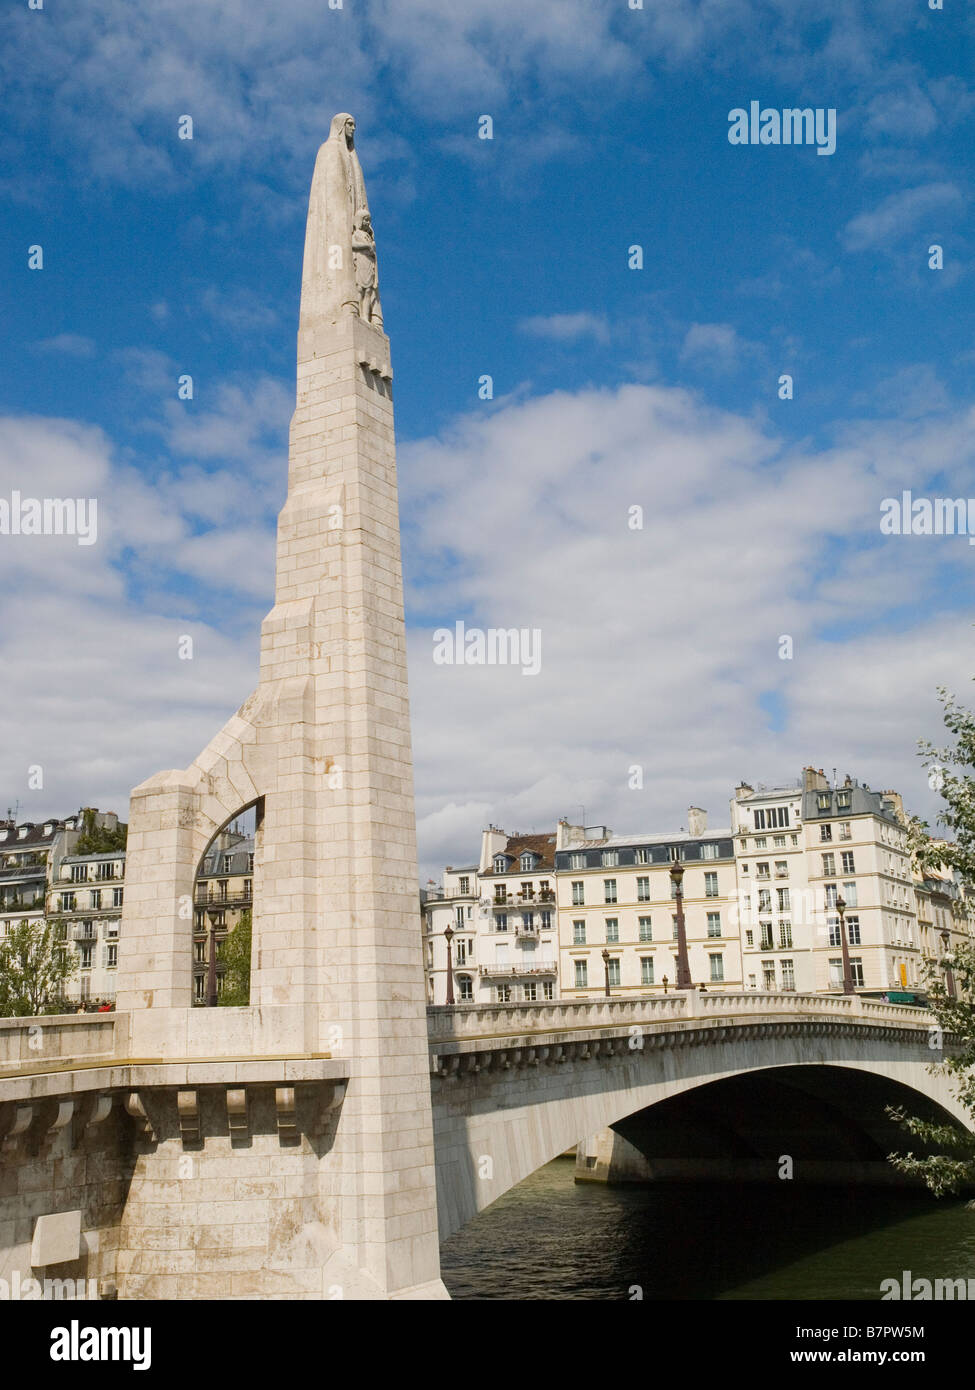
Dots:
pixel 553 1238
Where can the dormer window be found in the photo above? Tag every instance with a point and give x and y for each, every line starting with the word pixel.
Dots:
pixel 4 834
pixel 823 801
pixel 47 829
pixel 527 862
pixel 500 864
pixel 843 800
pixel 22 833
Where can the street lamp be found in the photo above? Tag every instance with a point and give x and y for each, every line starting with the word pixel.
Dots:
pixel 606 969
pixel 847 968
pixel 683 965
pixel 665 982
pixel 448 936
pixel 949 976
pixel 212 961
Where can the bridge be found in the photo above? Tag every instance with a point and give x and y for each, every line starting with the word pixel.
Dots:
pixel 511 1086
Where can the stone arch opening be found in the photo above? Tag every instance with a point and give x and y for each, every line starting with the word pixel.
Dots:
pixel 824 1125
pixel 226 887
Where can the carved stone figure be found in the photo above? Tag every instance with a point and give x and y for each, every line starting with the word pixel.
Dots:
pixel 339 276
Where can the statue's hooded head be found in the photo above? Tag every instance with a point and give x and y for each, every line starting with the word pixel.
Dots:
pixel 343 128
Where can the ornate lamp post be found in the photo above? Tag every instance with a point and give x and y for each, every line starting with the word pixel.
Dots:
pixel 448 936
pixel 212 961
pixel 847 968
pixel 606 969
pixel 683 964
pixel 949 974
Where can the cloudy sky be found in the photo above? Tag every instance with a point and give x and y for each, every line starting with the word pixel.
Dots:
pixel 614 388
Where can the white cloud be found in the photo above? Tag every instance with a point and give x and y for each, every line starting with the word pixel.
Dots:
pixel 567 328
pixel 900 213
pixel 716 347
pixel 71 344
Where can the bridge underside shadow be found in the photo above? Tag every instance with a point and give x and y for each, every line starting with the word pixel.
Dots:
pixel 812 1124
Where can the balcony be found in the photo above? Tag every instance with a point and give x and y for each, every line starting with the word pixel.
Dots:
pixel 503 903
pixel 231 900
pixel 86 935
pixel 541 967
pixel 528 933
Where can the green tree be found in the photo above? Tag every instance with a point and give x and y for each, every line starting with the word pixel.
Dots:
pixel 235 954
pixel 34 968
pixel 96 839
pixel 951 771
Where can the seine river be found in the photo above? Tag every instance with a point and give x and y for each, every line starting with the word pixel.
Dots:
pixel 551 1238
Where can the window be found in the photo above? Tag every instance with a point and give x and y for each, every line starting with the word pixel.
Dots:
pixel 250 863
pixel 710 885
pixel 788 974
pixel 577 861
pixel 96 898
pixel 199 988
pixel 642 856
pixel 548 989
pixel 613 972
pixel 249 888
pixel 846 862
pixel 768 974
pixel 111 957
pixel 500 864
pixel 762 871
pixel 765 900
pixel 66 902
pixel 503 994
pixel 228 863
pixel 612 929
pixel 582 974
pixel 767 942
pixel 527 863
pixel 466 987
pixel 850 893
pixel 829 865
pixel 530 992
pixel 714 924
pixel 831 895
pixel 825 833
pixel 709 851
pixel 781 868
pixel 646 970
pixel 578 894
pixel 610 858
pixel 578 933
pixel 771 817
pixel 643 890
pixel 853 930
pixel 785 936
pixel 200 952
pixel 546 920
pixel 79 873
pixel 465 886
pixel 501 922
pixel 782 899
pixel 459 916
pixel 86 957
pixel 717 967
pixel 761 842
pixel 822 801
pixel 845 831
pixel 778 842
pixel 856 970
pixel 749 938
pixel 609 890
pixel 833 928
pixel 527 891
pixel 646 929
pixel 843 800
pixel 461 953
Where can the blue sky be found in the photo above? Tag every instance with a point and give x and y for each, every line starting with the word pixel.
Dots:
pixel 612 387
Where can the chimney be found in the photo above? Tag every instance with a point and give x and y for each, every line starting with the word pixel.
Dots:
pixel 813 781
pixel 743 790
pixel 697 821
pixel 896 805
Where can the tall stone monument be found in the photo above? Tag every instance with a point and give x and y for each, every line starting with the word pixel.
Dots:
pixel 309 1110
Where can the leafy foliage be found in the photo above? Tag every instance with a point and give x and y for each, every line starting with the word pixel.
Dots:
pixel 235 953
pixel 34 968
pixel 952 773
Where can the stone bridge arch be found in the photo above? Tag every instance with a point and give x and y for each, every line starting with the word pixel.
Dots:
pixel 495 1126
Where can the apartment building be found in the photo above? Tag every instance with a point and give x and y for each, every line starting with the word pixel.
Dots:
pixel 503 915
pixel 224 891
pixel 84 902
pixel 30 856
pixel 616 909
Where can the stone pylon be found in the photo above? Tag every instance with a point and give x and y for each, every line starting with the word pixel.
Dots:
pixel 331 1168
